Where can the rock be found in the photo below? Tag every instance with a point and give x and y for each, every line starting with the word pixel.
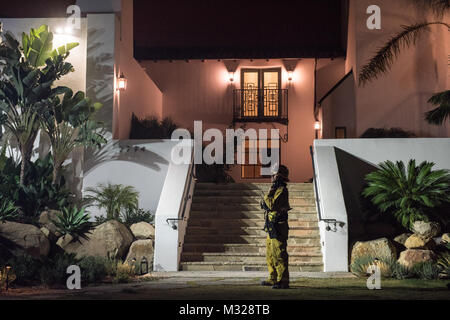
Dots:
pixel 140 249
pixel 417 242
pixel 27 238
pixel 445 238
pixel 64 241
pixel 45 220
pixel 379 248
pixel 110 239
pixel 143 230
pixel 426 230
pixel 410 257
pixel 401 239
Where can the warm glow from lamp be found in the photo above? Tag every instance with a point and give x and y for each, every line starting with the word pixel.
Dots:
pixel 317 125
pixel 122 83
pixel 231 76
pixel 290 74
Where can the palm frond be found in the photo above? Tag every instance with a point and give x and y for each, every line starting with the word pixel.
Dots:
pixel 440 114
pixel 439 7
pixel 386 55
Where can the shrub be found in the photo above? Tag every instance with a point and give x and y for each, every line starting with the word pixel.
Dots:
pixel 443 263
pixel 8 210
pixel 54 270
pixel 426 270
pixel 73 222
pixel 26 268
pixel 140 215
pixel 409 193
pixel 114 198
pixel 387 133
pixel 93 269
pixel 397 270
pixel 124 272
pixel 151 128
pixel 360 266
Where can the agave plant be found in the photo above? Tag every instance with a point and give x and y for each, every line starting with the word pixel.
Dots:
pixel 443 263
pixel 116 199
pixel 408 193
pixel 8 210
pixel 73 222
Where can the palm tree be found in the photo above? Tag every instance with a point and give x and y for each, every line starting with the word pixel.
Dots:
pixel 384 58
pixel 114 198
pixel 409 193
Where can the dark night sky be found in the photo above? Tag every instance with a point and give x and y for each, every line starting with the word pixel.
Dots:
pixel 34 8
pixel 237 29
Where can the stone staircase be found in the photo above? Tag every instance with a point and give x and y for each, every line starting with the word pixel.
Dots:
pixel 224 231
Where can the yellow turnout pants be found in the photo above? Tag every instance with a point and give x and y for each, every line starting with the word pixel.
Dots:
pixel 277 256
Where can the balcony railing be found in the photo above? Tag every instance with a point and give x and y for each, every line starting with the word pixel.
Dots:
pixel 260 105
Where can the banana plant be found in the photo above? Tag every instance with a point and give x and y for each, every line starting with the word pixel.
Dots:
pixel 69 124
pixel 28 73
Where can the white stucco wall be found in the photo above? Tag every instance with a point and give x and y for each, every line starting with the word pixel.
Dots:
pixel 373 151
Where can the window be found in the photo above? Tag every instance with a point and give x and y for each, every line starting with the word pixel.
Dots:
pixel 251 151
pixel 340 132
pixel 261 92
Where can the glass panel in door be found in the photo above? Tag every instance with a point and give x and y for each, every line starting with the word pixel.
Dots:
pixel 271 93
pixel 250 95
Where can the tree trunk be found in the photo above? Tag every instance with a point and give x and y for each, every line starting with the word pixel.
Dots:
pixel 56 174
pixel 26 157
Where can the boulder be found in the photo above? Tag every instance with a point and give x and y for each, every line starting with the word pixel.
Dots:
pixel 379 248
pixel 110 239
pixel 20 238
pixel 426 230
pixel 417 242
pixel 143 230
pixel 46 221
pixel 410 257
pixel 446 238
pixel 140 249
pixel 401 239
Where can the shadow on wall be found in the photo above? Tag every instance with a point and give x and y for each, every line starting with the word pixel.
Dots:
pixel 100 79
pixel 134 152
pixel 365 221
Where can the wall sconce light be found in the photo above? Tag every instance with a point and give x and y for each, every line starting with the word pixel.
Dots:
pixel 122 83
pixel 231 76
pixel 317 125
pixel 290 73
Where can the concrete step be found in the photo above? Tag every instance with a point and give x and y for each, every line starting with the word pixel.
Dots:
pixel 225 199
pixel 246 257
pixel 252 186
pixel 244 230
pixel 221 239
pixel 227 223
pixel 254 193
pixel 257 248
pixel 300 215
pixel 233 206
pixel 238 266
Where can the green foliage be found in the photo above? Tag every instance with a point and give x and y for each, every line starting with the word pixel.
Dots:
pixel 443 263
pixel 426 270
pixel 28 73
pixel 441 113
pixel 116 199
pixel 386 133
pixel 130 217
pixel 409 193
pixel 39 193
pixel 8 210
pixel 397 270
pixel 382 62
pixel 94 269
pixel 124 272
pixel 53 270
pixel 26 268
pixel 151 128
pixel 389 267
pixel 73 222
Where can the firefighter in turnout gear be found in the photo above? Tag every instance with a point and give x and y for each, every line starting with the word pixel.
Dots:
pixel 276 206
